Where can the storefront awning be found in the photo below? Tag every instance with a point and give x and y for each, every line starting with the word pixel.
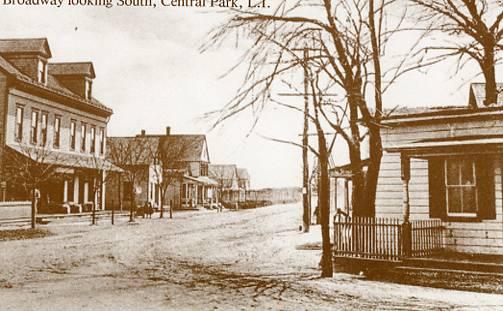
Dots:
pixel 65 160
pixel 480 144
pixel 204 180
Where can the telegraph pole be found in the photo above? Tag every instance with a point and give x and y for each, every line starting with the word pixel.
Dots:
pixel 305 141
pixel 306 189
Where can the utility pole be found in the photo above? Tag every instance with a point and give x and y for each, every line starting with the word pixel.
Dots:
pixel 306 189
pixel 305 141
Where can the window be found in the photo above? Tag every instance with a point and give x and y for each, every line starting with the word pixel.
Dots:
pixel 204 169
pixel 42 72
pixel 184 191
pixel 461 187
pixel 93 139
pixel 73 129
pixel 34 126
pixel 89 89
pixel 19 123
pixel 57 131
pixel 45 117
pixel 83 131
pixel 102 140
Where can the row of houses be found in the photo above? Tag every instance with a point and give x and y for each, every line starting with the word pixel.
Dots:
pixel 174 170
pixel 49 116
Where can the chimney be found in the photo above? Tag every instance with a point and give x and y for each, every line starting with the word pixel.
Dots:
pixel 168 130
pixel 143 133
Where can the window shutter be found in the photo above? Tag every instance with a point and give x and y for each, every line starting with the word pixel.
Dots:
pixel 436 185
pixel 485 188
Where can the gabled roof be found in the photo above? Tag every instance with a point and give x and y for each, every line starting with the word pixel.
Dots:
pixel 72 69
pixel 187 147
pixel 243 173
pixel 38 46
pixel 143 148
pixel 478 95
pixel 139 150
pixel 223 173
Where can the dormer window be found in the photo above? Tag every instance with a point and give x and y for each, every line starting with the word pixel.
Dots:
pixel 89 89
pixel 42 72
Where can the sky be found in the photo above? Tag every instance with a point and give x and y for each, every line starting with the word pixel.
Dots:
pixel 150 71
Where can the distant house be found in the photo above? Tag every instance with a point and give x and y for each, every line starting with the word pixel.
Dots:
pixel 176 161
pixel 142 153
pixel 226 176
pixel 445 163
pixel 50 108
pixel 243 179
pixel 191 157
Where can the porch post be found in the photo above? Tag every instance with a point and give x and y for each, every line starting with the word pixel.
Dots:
pixel 76 189
pixel 65 190
pixel 86 192
pixel 346 195
pixel 103 190
pixel 335 194
pixel 406 226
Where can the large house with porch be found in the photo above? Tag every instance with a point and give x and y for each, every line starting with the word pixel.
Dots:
pixel 443 166
pixel 188 159
pixel 49 108
pixel 176 164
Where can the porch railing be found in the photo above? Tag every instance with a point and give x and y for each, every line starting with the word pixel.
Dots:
pixel 383 238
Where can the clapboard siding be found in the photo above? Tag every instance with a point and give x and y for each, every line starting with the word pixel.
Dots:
pixel 485 236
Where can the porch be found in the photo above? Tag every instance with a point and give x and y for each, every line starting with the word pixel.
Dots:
pixel 76 183
pixel 198 192
pixel 454 186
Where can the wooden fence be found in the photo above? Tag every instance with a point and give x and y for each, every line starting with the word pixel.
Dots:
pixel 383 238
pixel 427 237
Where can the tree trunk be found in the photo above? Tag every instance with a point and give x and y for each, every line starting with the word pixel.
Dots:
pixel 119 185
pixel 374 166
pixel 161 213
pixel 358 197
pixel 490 77
pixel 132 208
pixel 94 210
pixel 33 208
pixel 324 207
pixel 375 143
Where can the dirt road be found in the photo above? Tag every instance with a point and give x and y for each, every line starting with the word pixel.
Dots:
pixel 197 261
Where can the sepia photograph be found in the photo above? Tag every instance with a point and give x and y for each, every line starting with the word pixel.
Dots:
pixel 251 155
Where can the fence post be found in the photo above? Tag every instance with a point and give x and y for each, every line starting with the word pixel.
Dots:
pixel 407 238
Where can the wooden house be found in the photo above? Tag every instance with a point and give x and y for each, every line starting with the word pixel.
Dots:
pixel 227 178
pixel 445 165
pixel 177 162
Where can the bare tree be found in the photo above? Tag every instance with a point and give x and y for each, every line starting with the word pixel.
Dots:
pixel 30 168
pixel 350 36
pixel 472 30
pixel 171 165
pixel 129 154
pixel 101 171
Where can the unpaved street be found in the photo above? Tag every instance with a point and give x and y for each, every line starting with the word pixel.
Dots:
pixel 243 260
